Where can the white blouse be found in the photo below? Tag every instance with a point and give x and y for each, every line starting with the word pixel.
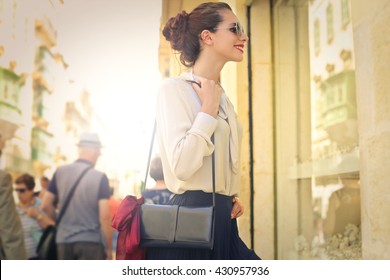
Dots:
pixel 184 138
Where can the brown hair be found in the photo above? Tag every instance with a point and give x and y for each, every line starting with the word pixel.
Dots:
pixel 183 30
pixel 156 169
pixel 27 180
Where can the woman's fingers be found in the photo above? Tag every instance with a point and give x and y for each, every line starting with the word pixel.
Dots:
pixel 209 93
pixel 237 209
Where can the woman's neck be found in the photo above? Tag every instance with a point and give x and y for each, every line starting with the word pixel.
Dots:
pixel 208 67
pixel 26 203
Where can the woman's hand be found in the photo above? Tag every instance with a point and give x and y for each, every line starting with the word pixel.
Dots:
pixel 237 210
pixel 32 212
pixel 42 219
pixel 209 94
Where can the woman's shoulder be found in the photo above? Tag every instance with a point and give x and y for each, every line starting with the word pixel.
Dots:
pixel 177 81
pixel 38 201
pixel 177 88
pixel 180 80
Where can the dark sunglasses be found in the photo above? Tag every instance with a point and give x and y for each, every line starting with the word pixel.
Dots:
pixel 20 190
pixel 236 29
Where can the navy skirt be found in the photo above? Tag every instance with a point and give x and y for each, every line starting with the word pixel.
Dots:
pixel 227 243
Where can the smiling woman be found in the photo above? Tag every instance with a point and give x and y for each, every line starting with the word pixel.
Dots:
pixel 33 219
pixel 203 120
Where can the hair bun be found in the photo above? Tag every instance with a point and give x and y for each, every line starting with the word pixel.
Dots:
pixel 175 29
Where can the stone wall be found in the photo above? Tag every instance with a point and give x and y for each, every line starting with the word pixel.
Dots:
pixel 371 21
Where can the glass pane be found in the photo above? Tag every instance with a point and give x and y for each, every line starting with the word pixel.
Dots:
pixel 334 137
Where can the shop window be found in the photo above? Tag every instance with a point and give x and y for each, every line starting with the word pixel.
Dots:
pixel 334 138
pixel 317 143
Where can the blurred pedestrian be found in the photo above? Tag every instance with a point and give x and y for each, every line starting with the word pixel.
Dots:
pixel 44 184
pixel 11 231
pixel 34 220
pixel 85 229
pixel 159 194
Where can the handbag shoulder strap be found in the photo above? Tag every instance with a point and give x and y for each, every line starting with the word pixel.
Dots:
pixel 150 154
pixel 71 192
pixel 213 169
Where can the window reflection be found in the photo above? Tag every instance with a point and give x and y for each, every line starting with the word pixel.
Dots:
pixel 335 160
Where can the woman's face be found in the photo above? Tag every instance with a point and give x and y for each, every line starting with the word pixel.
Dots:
pixel 24 194
pixel 229 38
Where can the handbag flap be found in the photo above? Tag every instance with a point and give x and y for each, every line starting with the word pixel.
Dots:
pixel 158 222
pixel 194 224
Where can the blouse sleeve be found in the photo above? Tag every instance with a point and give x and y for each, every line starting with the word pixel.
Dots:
pixel 184 131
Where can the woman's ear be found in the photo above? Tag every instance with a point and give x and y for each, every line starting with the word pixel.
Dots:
pixel 206 37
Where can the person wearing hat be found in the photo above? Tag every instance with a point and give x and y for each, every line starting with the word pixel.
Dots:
pixel 85 229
